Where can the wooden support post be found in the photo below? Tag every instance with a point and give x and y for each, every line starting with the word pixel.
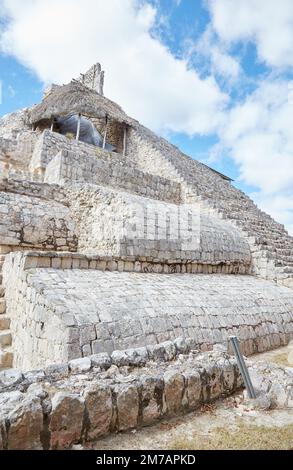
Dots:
pixel 78 127
pixel 52 125
pixel 124 140
pixel 105 133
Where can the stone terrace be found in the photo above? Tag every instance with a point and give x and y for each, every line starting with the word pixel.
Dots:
pixel 61 314
pixel 270 243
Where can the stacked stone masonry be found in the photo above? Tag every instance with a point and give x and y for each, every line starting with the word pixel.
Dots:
pixel 30 221
pixel 118 223
pixel 74 309
pixel 66 404
pixel 67 167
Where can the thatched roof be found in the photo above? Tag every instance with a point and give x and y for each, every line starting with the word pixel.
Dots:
pixel 77 98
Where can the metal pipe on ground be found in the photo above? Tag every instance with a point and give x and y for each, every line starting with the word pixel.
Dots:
pixel 242 367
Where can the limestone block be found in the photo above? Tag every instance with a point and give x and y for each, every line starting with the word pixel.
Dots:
pixel 87 334
pixel 134 357
pixel 101 360
pixel 279 395
pixel 25 425
pixel 56 263
pixel 34 375
pixel 119 358
pixel 164 351
pixel 57 370
pixel 193 389
pixel 181 345
pixel 173 391
pixel 152 399
pixel 10 377
pixel 66 419
pixel 79 366
pixel 101 346
pixel 215 382
pixel 127 406
pixel 98 402
pixel 74 351
pixel 86 350
pixel 228 376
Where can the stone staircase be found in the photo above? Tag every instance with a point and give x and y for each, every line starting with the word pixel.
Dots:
pixel 271 245
pixel 6 354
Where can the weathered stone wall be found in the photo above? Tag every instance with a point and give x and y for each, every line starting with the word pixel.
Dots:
pixel 118 223
pixel 51 143
pixel 39 334
pixel 43 191
pixel 15 155
pixel 17 141
pixel 69 309
pixel 81 401
pixel 104 168
pixel 108 222
pixel 101 214
pixel 28 221
pixel 14 123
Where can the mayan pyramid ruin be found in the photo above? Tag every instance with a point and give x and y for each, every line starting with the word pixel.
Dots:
pixel 116 248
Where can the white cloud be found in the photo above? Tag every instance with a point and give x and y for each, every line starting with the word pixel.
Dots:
pixel 257 135
pixel 58 39
pixel 215 54
pixel 268 23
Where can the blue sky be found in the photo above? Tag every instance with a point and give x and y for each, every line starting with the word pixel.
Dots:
pixel 213 76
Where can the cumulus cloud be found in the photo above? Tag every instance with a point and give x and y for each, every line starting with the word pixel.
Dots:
pixel 216 57
pixel 58 39
pixel 257 134
pixel 267 23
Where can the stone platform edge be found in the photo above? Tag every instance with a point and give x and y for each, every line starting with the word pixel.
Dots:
pixel 89 398
pixel 69 260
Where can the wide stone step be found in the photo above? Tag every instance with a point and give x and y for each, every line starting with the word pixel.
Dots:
pixel 6 358
pixel 4 322
pixel 5 338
